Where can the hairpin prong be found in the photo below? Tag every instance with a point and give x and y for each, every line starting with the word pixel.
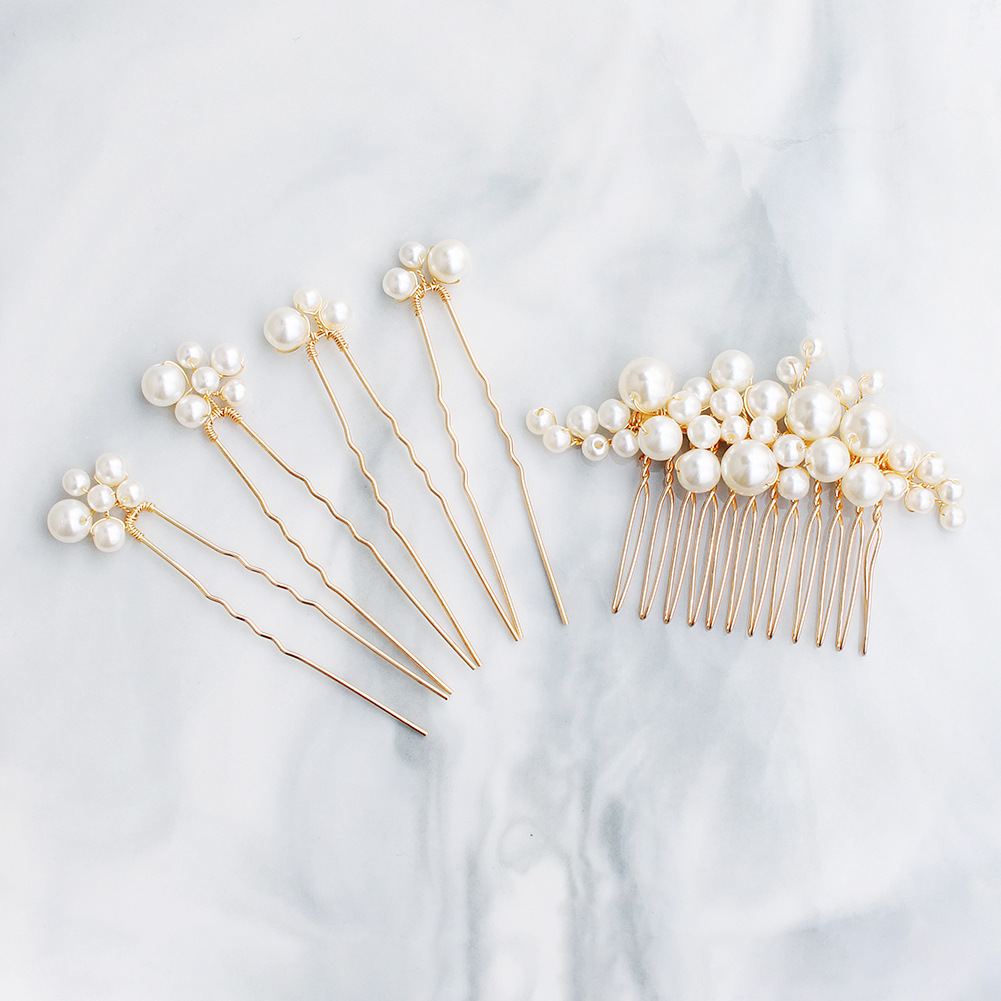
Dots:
pixel 632 541
pixel 808 559
pixel 700 561
pixel 718 574
pixel 854 560
pixel 763 560
pixel 651 577
pixel 676 572
pixel 782 568
pixel 830 570
pixel 871 552
pixel 742 560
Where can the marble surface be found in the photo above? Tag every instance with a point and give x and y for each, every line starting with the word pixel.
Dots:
pixel 614 809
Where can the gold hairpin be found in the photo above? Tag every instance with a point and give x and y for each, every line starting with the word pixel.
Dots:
pixel 782 441
pixel 204 389
pixel 432 270
pixel 92 509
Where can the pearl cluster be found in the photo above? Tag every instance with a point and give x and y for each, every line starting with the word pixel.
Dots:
pixel 446 262
pixel 778 433
pixel 311 316
pixel 87 509
pixel 195 381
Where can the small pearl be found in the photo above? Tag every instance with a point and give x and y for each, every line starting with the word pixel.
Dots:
pixel 813 412
pixel 698 470
pixel 951 516
pixel 109 468
pixel 930 469
pixel 101 498
pixel 732 369
pixel 790 370
pixel 227 359
pixel 704 431
pixel 625 443
pixel 205 380
pixel 766 399
pixel 556 438
pixel 335 315
pixel 539 421
pixel 286 329
pixel 867 429
pixel 794 483
pixel 789 449
pixel 872 382
pixel 919 500
pixel 163 385
pixel 308 300
pixel 764 429
pixel 192 410
pixel 233 391
pixel 725 403
pixel 76 482
pixel 108 534
pixel 413 255
pixel 863 485
pixel 896 486
pixel 399 284
pixel 69 520
pixel 827 459
pixel 902 456
pixel 949 491
pixel 684 407
pixel 130 494
pixel 448 261
pixel 749 468
pixel 846 389
pixel 660 437
pixel 582 421
pixel 191 354
pixel 646 384
pixel 700 387
pixel 733 429
pixel 594 447
pixel 613 415
pixel 812 348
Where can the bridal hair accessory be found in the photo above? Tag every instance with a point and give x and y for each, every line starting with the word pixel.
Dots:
pixel 785 441
pixel 425 271
pixel 107 507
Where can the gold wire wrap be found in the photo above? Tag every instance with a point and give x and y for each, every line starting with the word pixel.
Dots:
pixel 623 579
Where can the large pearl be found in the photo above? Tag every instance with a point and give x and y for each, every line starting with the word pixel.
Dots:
pixel 308 300
pixel 813 412
pixel 448 261
pixel 684 407
pixel 949 491
pixel 732 369
pixel 557 438
pixel 539 421
pixel 704 431
pixel 867 429
pixel 76 482
pixel 749 468
pixel 646 384
pixel 789 449
pixel 163 385
pixel 698 470
pixel 625 443
pixel 896 486
pixel 227 359
pixel 613 415
pixel 582 421
pixel 700 387
pixel 101 498
pixel 660 437
pixel 766 399
pixel 864 484
pixel 902 456
pixel 594 447
pixel 789 370
pixel 130 494
pixel 412 255
pixel 827 459
pixel 919 500
pixel 109 468
pixel 191 354
pixel 794 483
pixel 286 329
pixel 192 411
pixel 108 534
pixel 234 391
pixel 205 380
pixel 951 516
pixel 930 470
pixel 725 403
pixel 335 315
pixel 764 429
pixel 69 520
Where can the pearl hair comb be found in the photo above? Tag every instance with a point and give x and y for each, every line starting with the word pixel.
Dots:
pixel 784 441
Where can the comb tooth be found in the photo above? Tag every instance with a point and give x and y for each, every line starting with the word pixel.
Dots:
pixel 651 580
pixel 716 577
pixel 871 551
pixel 742 560
pixel 854 558
pixel 811 554
pixel 676 574
pixel 623 579
pixel 828 579
pixel 790 529
pixel 697 593
pixel 762 567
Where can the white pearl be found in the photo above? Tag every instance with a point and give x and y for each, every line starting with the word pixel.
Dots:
pixel 930 469
pixel 733 429
pixel 613 415
pixel 867 429
pixel 725 403
pixel 69 520
pixel 749 468
pixel 646 384
pixel 846 389
pixel 794 483
pixel 864 484
pixel 951 516
pixel 191 354
pixel 101 498
pixel 448 261
pixel 812 348
pixel 412 255
pixel 539 421
pixel 789 449
pixel 684 407
pixel 827 459
pixel 227 359
pixel 625 443
pixel 109 468
pixel 766 399
pixel 76 482
pixel 286 329
pixel 789 370
pixel 130 494
pixel 582 421
pixel 919 500
pixel 399 284
pixel 108 534
pixel 205 380
pixel 698 470
pixel 732 369
pixel 813 412
pixel 949 491
pixel 902 456
pixel 335 315
pixel 660 437
pixel 594 447
pixel 872 382
pixel 704 431
pixel 308 300
pixel 700 387
pixel 556 438
pixel 764 429
pixel 192 410
pixel 233 391
pixel 163 385
pixel 896 486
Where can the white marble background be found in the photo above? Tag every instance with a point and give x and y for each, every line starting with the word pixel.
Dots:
pixel 612 810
